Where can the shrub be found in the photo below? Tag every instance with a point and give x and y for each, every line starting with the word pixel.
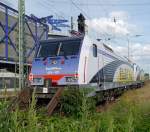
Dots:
pixel 74 102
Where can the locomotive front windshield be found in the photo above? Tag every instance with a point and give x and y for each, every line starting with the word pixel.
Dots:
pixel 61 48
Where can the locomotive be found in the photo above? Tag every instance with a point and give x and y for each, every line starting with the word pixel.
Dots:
pixel 82 62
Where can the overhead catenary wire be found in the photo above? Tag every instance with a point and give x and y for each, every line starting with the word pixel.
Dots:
pixel 79 6
pixel 47 5
pixel 103 4
pixel 59 15
pixel 88 17
pixel 103 8
pixel 80 9
pixel 116 4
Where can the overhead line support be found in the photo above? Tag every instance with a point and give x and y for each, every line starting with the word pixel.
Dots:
pixel 21 10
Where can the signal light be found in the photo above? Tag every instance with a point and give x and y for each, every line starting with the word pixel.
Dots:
pixel 30 77
pixel 62 61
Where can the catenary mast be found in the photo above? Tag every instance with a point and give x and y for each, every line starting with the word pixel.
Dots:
pixel 21 10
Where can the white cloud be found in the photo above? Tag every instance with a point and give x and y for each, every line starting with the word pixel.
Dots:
pixel 139 53
pixel 115 25
pixel 119 15
pixel 142 50
pixel 120 30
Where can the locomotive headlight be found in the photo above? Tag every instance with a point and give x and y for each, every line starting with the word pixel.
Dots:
pixel 30 77
pixel 71 79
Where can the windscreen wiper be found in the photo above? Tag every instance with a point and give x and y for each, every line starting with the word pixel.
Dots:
pixel 65 56
pixel 44 58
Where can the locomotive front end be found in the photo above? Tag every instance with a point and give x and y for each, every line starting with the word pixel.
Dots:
pixel 56 63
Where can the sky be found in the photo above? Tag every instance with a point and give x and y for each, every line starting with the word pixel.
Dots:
pixel 123 21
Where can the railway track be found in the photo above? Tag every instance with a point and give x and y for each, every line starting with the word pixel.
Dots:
pixel 24 98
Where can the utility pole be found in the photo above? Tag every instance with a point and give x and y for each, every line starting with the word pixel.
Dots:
pixel 128 48
pixel 21 10
pixel 71 23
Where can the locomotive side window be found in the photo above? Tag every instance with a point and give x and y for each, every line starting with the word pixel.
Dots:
pixel 94 50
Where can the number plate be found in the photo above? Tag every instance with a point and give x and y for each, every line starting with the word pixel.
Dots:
pixel 45 90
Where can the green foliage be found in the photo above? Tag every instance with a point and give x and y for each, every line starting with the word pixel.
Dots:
pixel 74 102
pixel 79 116
pixel 71 102
pixel 32 119
pixel 4 117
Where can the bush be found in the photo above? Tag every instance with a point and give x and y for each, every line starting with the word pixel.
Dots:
pixel 124 116
pixel 74 102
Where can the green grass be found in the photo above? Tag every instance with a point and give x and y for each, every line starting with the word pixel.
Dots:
pixel 78 114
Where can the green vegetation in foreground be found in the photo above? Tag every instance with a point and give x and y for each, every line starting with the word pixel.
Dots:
pixel 130 114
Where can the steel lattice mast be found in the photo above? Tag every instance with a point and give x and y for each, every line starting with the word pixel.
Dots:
pixel 21 10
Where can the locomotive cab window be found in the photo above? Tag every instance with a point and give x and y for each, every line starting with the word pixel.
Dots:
pixel 94 50
pixel 59 48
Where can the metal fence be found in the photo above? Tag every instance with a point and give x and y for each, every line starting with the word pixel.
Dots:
pixel 9 83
